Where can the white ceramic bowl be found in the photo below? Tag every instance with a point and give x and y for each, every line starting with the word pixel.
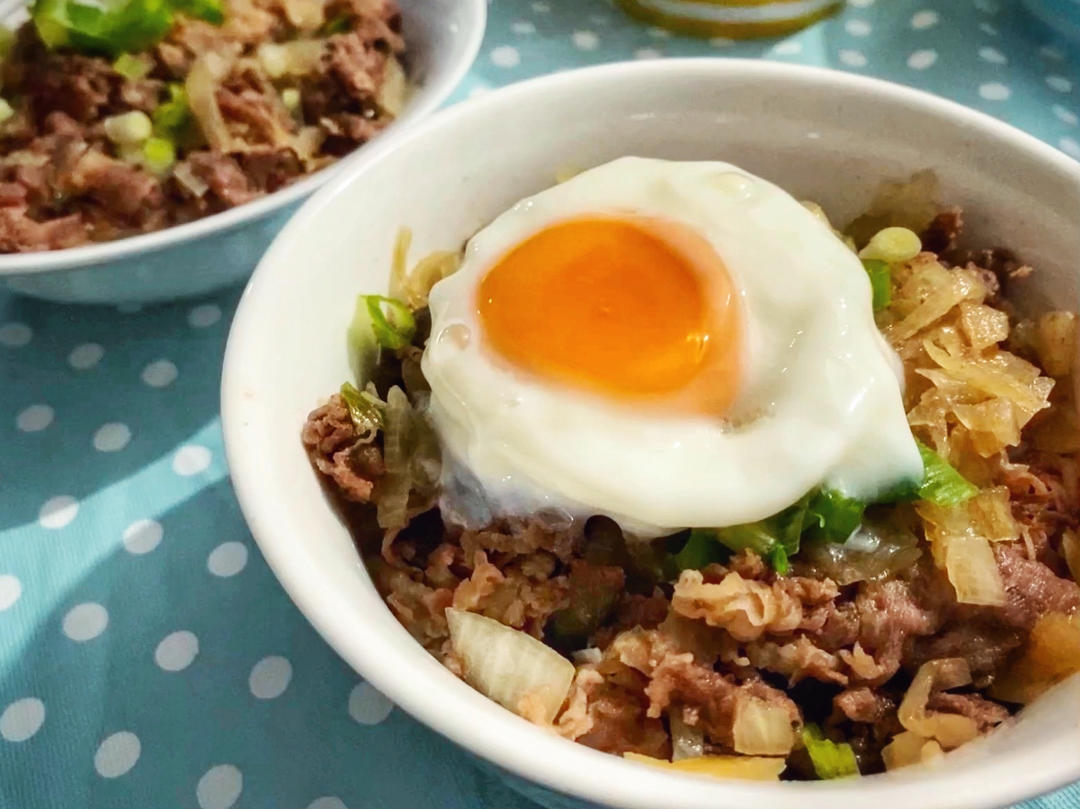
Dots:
pixel 822 135
pixel 442 37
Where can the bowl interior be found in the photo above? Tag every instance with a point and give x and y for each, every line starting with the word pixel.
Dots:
pixel 821 136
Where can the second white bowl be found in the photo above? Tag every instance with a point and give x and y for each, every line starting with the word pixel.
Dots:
pixel 442 38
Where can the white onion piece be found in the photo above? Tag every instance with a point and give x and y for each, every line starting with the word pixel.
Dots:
pixel 394 89
pixel 187 178
pixel 509 666
pixel 973 571
pixel 761 728
pixel 585 657
pixel 687 741
pixel 951 730
pixel 201 86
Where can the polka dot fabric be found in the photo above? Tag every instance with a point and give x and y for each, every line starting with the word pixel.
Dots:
pixel 147 655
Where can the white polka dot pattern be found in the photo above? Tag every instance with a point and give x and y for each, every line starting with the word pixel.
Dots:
pixel 191 460
pixel 220 787
pixel 85 622
pixel 22 719
pixel 270 677
pixel 227 559
pixel 10 591
pixel 368 706
pixel 142 536
pixel 994 91
pixel 58 511
pixel 205 315
pixel 85 356
pixel 117 754
pixel 112 437
pixel 15 335
pixel 159 374
pixel 176 651
pixel 35 418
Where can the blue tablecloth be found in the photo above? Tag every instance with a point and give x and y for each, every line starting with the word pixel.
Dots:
pixel 148 658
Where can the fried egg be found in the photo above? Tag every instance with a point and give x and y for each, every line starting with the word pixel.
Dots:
pixel 669 344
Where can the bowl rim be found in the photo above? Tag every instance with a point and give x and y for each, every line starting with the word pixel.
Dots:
pixel 504 739
pixel 429 96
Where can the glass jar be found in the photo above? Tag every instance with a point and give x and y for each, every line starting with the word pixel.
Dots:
pixel 736 19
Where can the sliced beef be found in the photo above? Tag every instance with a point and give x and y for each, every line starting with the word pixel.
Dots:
pixel 985 713
pixel 224 176
pixel 336 450
pixel 1031 588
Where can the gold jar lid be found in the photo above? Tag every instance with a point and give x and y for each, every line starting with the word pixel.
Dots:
pixel 737 19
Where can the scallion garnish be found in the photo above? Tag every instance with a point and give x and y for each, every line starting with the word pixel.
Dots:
pixel 363 410
pixel 942 485
pixel 393 328
pixel 830 759
pixel 880 282
pixel 833 516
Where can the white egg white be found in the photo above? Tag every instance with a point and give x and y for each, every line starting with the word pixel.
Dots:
pixel 819 401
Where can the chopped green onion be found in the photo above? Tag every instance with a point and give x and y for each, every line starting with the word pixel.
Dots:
pixel 128 128
pixel 5 110
pixel 172 116
pixel 700 551
pixel 880 282
pixel 115 28
pixel 290 97
pixel 159 154
pixel 210 10
pixel 363 410
pixel 133 66
pixel 392 331
pixel 892 245
pixel 830 759
pixel 942 485
pixel 778 558
pixel 760 537
pixel 833 516
pixel 130 26
pixel 339 25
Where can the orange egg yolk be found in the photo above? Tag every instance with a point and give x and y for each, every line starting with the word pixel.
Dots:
pixel 630 308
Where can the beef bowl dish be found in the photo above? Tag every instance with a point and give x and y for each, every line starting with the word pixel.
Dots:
pixel 143 117
pixel 687 465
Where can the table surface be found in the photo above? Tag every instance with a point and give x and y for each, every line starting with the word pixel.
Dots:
pixel 148 658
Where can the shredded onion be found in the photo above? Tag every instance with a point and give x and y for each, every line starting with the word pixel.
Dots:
pixel 307 15
pixel 412 458
pixel 187 178
pixel 296 58
pixel 201 85
pixel 762 728
pixel 983 325
pixel 750 768
pixel 973 571
pixel 413 286
pixel 509 666
pixel 960 537
pixel 950 730
pixel 1052 654
pixel 875 550
pixel 394 89
pixel 909 748
pixel 1055 342
pixel 687 741
pixel 590 656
